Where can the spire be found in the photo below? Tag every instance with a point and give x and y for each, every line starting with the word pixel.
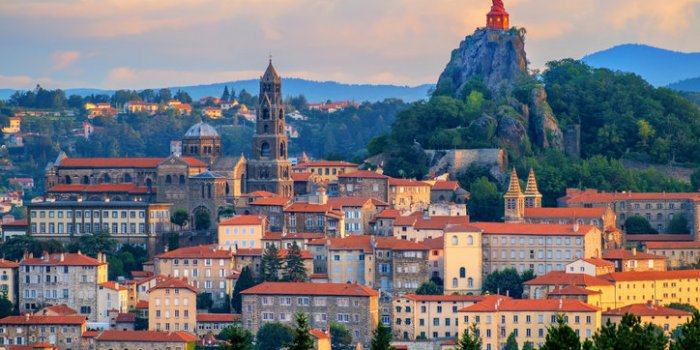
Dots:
pixel 514 186
pixel 531 188
pixel 270 72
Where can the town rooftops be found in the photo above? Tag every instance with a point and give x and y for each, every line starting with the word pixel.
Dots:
pixel 647 309
pixel 244 220
pixel 445 186
pixel 62 259
pixel 201 251
pixel 399 244
pixel 300 207
pixel 496 228
pixel 204 317
pixel 274 201
pixel 364 174
pixel 248 252
pixel 8 264
pixel 572 290
pixel 624 254
pixel 305 254
pixel 319 334
pixel 298 288
pixel 173 282
pixel 325 163
pixel 673 245
pixel 363 243
pixel 301 176
pixel 125 317
pixel 146 336
pixel 445 298
pixel 598 262
pixel 561 278
pixel 389 214
pixel 61 309
pixel 650 275
pixel 564 212
pixel 508 304
pixel 122 162
pixel 40 320
pixel 339 202
pixel 407 183
pixel 594 196
pixel 113 285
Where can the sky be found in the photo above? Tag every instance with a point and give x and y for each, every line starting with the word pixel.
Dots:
pixel 138 44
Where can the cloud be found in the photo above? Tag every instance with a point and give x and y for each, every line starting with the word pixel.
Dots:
pixel 63 59
pixel 24 81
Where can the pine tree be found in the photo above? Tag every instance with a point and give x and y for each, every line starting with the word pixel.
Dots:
pixel 689 334
pixel 511 342
pixel 245 281
pixel 528 345
pixel 381 338
pixel 237 338
pixel 470 339
pixel 561 337
pixel 302 338
pixel 295 271
pixel 270 264
pixel 226 96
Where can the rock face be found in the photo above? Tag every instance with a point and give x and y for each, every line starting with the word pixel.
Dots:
pixel 498 59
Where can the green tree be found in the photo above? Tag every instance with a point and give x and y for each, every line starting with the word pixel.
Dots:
pixel 273 336
pixel 695 179
pixel 638 225
pixel 180 217
pixel 561 337
pixel 226 96
pixel 204 301
pixel 511 342
pixel 470 339
pixel 270 264
pixel 630 334
pixel 202 221
pixel 679 225
pixel 341 338
pixel 6 307
pixel 98 242
pixel 245 281
pixel 381 338
pixel 688 335
pixel 485 203
pixel 428 288
pixel 302 339
pixel 684 307
pixel 294 270
pixel 236 337
pixel 506 282
pixel 528 345
pixel 173 240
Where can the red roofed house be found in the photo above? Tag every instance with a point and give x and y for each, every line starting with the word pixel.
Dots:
pixel 172 306
pixel 214 323
pixel 111 296
pixel 601 218
pixel 57 310
pixel 354 305
pixel 677 253
pixel 8 276
pixel 591 266
pixel 63 331
pixel 419 226
pixel 348 259
pixel 324 170
pixel 359 211
pixel 401 266
pixel 632 260
pixel 364 183
pixel 145 340
pixel 270 207
pixel 527 318
pixel 383 223
pixel 141 106
pixel 242 231
pixel 321 218
pixel 73 282
pixel 26 183
pixel 664 317
pixel 663 287
pixel 448 192
pixel 205 266
pixel 322 339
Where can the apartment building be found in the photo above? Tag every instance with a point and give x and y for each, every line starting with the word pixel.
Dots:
pixel 364 183
pixel 326 170
pixel 409 195
pixel 600 217
pixel 206 267
pixel 350 304
pixel 64 332
pixel 315 218
pixel 428 316
pixel 632 260
pixel 359 212
pixel 111 296
pixel 9 271
pixel 242 231
pixel 172 306
pixel 348 259
pixel 667 318
pixel 400 266
pixel 61 278
pixel 677 254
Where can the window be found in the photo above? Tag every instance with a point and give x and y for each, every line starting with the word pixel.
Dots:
pixel 462 272
pixel 455 240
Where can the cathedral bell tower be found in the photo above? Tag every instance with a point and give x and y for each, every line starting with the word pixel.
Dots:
pixel 514 200
pixel 269 169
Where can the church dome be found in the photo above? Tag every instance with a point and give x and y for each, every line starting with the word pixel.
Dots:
pixel 202 129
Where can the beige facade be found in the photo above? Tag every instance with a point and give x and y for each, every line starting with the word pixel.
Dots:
pixel 111 296
pixel 205 267
pixel 463 262
pixel 314 218
pixel 352 305
pixel 214 323
pixel 243 231
pixel 666 318
pixel 62 331
pixel 326 170
pixel 428 316
pixel 8 278
pixel 54 279
pixel 632 260
pixel 172 306
pixel 497 318
pixel 590 266
pixel 678 254
pixel 409 195
pixel 348 259
pixel 359 211
pixel 364 183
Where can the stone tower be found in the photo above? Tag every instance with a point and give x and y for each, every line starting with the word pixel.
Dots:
pixel 269 169
pixel 203 142
pixel 514 200
pixel 497 18
pixel 533 197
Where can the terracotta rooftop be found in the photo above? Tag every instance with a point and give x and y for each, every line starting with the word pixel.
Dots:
pixel 62 309
pixel 173 282
pixel 327 163
pixel 90 334
pixel 39 320
pixel 445 186
pixel 125 317
pixel 508 304
pixel 17 223
pixel 244 220
pixel 364 174
pixel 438 222
pixel 263 194
pixel 407 183
pixel 624 254
pixel 218 317
pixel 446 298
pixel 146 336
pixel 389 214
pixel 647 309
pixel 573 290
pixel 532 229
pixel 434 243
pixel 248 252
pixel 277 201
pixel 598 262
pixel 319 334
pixel 564 212
pixel 673 245
pixel 300 207
pixel 650 275
pixel 63 259
pixel 301 177
pixel 593 196
pixel 399 244
pixel 363 243
pixel 276 236
pixel 561 278
pixel 339 202
pixel 121 162
pixel 100 188
pixel 142 304
pixel 201 251
pixel 8 264
pixel 305 254
pixel 113 285
pixel 294 288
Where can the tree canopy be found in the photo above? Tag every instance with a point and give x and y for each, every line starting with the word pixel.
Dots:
pixel 507 282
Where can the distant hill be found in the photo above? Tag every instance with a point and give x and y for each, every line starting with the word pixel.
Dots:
pixel 659 67
pixel 314 91
pixel 689 85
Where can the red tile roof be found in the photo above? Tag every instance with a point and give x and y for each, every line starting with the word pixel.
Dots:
pixel 100 188
pixel 327 163
pixel 446 298
pixel 173 282
pixel 305 254
pixel 299 207
pixel 593 196
pixel 146 336
pixel 561 278
pixel 244 220
pixel 407 183
pixel 319 334
pixel 90 334
pixel 564 212
pixel 113 285
pixel 389 214
pixel 264 194
pixel 573 290
pixel 218 317
pixel 646 310
pixel 211 251
pixel 508 304
pixel 339 202
pixel 17 223
pixel 248 252
pixel 294 288
pixel 141 274
pixel 364 174
pixel 673 245
pixel 435 243
pixel 8 264
pixel 438 222
pixel 598 262
pixel 63 259
pixel 301 177
pixel 122 162
pixel 399 244
pixel 650 275
pixel 624 254
pixel 39 320
pixel 445 186
pixel 142 304
pixel 126 317
pixel 278 201
pixel 62 309
pixel 363 243
pixel 491 228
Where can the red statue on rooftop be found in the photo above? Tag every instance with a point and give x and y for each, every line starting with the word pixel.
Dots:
pixel 497 18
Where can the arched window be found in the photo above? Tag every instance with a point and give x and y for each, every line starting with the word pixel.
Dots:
pixel 265 128
pixel 470 282
pixel 470 240
pixel 67 180
pixel 283 148
pixel 209 190
pixel 265 149
pixel 455 283
pixel 462 272
pixel 127 178
pixel 106 179
pixel 455 240
pixel 266 113
pixel 168 179
pixel 182 179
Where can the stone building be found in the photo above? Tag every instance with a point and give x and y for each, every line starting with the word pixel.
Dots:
pixel 320 218
pixel 401 266
pixel 111 297
pixel 448 192
pixel 8 279
pixel 383 223
pixel 678 254
pixel 326 170
pixel 215 323
pixel 207 196
pixel 206 267
pixel 359 211
pixel 203 142
pixel 62 278
pixel 364 183
pixel 172 306
pixel 632 260
pixel 350 304
pixel 63 331
pixel 409 195
pixel 272 208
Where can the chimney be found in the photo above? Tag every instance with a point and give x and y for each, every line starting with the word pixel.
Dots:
pixel 106 199
pixel 166 248
pixel 561 302
pixel 575 226
pixel 79 199
pixel 63 257
pixel 634 251
pixel 649 304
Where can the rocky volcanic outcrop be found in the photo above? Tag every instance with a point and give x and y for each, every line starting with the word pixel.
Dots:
pixel 497 58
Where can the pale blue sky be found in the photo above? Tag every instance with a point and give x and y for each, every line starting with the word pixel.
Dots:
pixel 142 43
